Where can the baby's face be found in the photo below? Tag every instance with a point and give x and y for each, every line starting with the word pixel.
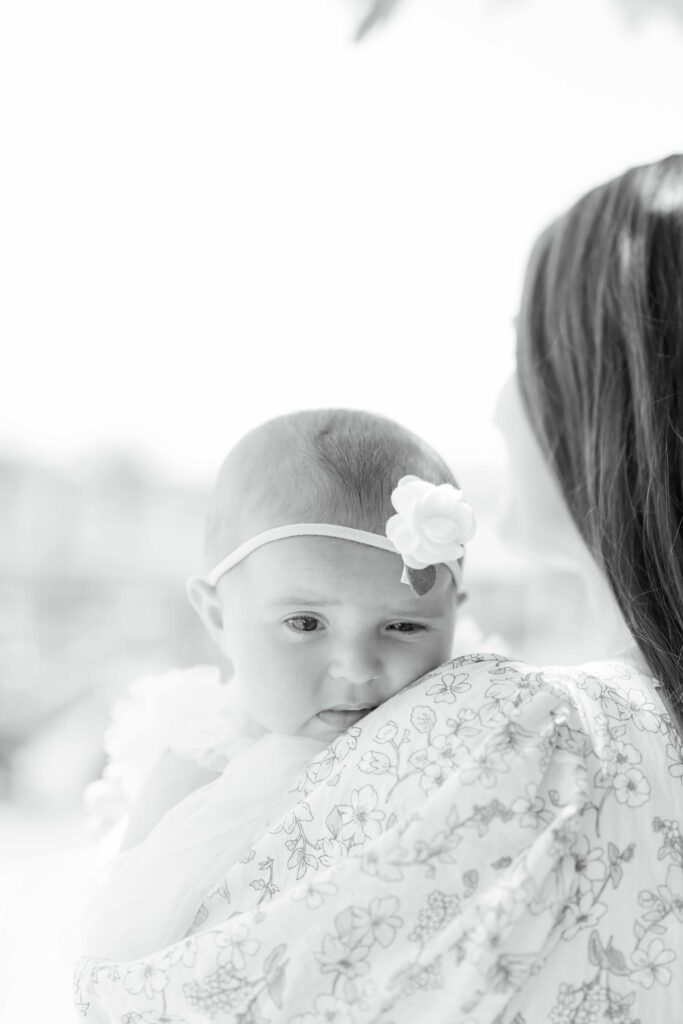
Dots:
pixel 321 630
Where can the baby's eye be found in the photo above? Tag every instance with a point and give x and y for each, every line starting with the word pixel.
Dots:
pixel 406 628
pixel 304 623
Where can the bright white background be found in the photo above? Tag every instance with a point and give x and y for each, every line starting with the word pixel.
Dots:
pixel 212 212
pixel 215 212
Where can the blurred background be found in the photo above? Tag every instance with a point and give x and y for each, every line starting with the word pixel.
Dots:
pixel 213 213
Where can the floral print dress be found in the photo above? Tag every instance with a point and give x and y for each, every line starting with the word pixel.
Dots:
pixel 498 844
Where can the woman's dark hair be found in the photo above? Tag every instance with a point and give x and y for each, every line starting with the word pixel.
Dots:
pixel 600 363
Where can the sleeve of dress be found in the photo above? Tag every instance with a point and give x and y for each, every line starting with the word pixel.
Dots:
pixel 431 866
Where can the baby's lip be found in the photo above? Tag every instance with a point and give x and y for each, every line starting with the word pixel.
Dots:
pixel 343 716
pixel 351 707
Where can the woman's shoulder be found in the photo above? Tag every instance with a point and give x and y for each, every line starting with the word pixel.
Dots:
pixel 525 808
pixel 556 786
pixel 600 726
pixel 609 702
pixel 617 689
pixel 501 822
pixel 602 723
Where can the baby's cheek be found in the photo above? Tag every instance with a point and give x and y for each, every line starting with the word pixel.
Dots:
pixel 282 703
pixel 441 652
pixel 405 666
pixel 281 681
pixel 429 657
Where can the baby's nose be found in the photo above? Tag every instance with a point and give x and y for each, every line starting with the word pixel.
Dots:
pixel 357 664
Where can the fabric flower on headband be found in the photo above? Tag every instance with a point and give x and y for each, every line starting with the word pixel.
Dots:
pixel 432 524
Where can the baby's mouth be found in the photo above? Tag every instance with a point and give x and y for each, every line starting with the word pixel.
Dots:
pixel 343 717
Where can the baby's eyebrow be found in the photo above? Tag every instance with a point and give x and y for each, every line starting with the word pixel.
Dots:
pixel 415 615
pixel 308 601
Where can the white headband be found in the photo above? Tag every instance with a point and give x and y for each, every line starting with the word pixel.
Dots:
pixel 372 540
pixel 430 528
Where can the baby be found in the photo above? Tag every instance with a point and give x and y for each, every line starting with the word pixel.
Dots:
pixel 316 619
pixel 334 545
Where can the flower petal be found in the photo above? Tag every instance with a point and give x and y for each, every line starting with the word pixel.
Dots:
pixel 441 529
pixel 405 496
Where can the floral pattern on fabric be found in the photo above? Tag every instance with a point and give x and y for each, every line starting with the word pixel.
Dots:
pixel 498 844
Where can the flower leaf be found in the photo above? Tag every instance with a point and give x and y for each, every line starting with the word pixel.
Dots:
pixel 596 953
pixel 273 959
pixel 421 580
pixel 423 718
pixel 319 772
pixel 471 879
pixel 616 962
pixel 276 986
pixel 334 822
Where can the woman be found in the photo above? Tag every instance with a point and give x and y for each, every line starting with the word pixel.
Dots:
pixel 499 843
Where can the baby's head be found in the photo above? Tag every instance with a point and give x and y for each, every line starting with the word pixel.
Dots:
pixel 321 628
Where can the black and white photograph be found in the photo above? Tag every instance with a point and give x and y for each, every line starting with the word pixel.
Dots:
pixel 341 512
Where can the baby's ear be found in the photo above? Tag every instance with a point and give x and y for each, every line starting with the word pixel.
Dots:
pixel 204 600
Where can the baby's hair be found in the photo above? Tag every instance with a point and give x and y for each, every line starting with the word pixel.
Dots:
pixel 323 465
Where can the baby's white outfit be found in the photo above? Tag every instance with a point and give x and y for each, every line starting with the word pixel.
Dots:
pixel 149 894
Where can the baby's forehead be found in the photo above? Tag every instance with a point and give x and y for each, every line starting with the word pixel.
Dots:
pixel 332 571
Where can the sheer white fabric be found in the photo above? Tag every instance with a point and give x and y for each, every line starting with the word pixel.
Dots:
pixel 149 895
